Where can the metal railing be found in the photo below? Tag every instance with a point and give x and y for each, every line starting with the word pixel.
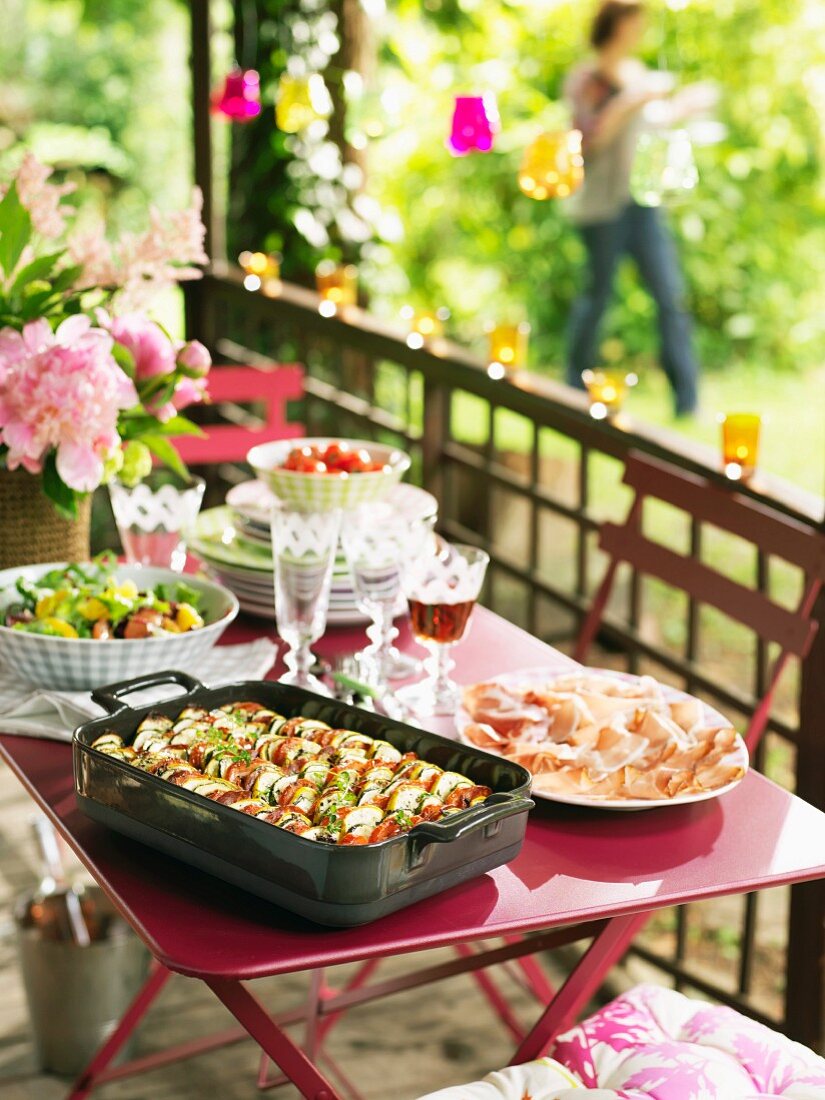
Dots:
pixel 522 469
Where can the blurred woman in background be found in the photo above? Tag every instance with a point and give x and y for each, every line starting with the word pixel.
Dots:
pixel 607 95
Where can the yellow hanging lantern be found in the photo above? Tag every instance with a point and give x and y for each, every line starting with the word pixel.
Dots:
pixel 300 101
pixel 553 166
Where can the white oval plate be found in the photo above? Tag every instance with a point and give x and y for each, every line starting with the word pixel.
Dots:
pixel 253 500
pixel 532 676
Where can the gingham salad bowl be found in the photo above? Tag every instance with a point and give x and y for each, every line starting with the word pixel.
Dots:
pixel 78 664
pixel 324 492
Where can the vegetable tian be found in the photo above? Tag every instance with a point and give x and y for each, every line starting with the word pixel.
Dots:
pixel 335 786
pixel 335 458
pixel 88 601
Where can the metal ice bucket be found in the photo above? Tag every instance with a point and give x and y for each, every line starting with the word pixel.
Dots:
pixel 77 994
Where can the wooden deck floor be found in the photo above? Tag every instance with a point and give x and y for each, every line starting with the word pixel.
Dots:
pixel 399 1048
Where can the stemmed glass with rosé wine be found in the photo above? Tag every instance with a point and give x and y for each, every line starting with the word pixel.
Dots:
pixel 441 590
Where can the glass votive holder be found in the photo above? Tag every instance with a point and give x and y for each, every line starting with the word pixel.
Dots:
pixel 740 444
pixel 507 347
pixel 337 286
pixel 154 517
pixel 260 268
pixel 424 324
pixel 607 390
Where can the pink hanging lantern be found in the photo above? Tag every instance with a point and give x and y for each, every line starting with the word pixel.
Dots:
pixel 475 124
pixel 240 97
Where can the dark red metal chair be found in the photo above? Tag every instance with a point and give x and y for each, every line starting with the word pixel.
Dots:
pixel 792 630
pixel 774 534
pixel 229 389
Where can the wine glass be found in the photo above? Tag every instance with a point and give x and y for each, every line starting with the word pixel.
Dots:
pixel 441 590
pixel 303 548
pixel 376 539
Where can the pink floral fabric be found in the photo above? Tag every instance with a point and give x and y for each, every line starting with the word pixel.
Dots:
pixel 655 1044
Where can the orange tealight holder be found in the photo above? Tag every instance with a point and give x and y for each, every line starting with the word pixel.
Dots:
pixel 337 286
pixel 607 390
pixel 260 268
pixel 740 444
pixel 424 324
pixel 507 348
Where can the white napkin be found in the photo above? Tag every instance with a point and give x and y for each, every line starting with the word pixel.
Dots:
pixel 38 712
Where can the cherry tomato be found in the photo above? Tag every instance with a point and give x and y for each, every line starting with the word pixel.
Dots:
pixel 335 458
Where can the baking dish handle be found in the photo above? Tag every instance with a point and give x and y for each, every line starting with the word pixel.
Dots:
pixel 495 809
pixel 109 697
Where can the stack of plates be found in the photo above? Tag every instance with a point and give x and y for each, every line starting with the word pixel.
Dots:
pixel 234 544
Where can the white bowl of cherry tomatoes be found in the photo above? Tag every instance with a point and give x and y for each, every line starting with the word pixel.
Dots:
pixel 320 474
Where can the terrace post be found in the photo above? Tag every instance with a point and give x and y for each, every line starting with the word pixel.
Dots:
pixel 200 65
pixel 200 69
pixel 805 991
pixel 435 432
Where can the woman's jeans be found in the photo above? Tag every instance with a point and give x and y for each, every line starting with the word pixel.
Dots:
pixel 640 232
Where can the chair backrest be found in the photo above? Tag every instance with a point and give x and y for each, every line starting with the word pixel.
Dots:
pixel 230 442
pixel 775 534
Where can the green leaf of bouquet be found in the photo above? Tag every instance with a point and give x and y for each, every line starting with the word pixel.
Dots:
pixel 39 268
pixel 64 499
pixel 161 448
pixel 66 277
pixel 135 423
pixel 38 301
pixel 124 359
pixel 181 425
pixel 15 230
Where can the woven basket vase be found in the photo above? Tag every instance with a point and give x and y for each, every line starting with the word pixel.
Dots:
pixel 30 528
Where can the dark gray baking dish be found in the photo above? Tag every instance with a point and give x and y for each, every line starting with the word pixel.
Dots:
pixel 332 885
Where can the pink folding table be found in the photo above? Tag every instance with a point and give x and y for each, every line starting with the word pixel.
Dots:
pixel 581 874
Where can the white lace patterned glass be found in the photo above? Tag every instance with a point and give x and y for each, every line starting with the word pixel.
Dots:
pixel 441 590
pixel 377 539
pixel 303 548
pixel 154 516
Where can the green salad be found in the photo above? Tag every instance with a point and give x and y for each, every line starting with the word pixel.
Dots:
pixel 86 600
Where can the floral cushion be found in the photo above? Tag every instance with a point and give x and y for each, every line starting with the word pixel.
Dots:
pixel 655 1043
pixel 542 1080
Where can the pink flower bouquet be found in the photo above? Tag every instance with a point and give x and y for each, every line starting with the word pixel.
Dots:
pixel 87 379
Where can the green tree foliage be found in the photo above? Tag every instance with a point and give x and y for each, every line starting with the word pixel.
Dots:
pixel 100 90
pixel 751 236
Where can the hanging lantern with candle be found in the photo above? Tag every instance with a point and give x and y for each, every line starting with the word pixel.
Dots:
pixel 553 166
pixel 475 124
pixel 239 98
pixel 663 167
pixel 300 101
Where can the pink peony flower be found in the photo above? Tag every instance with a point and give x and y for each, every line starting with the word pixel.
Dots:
pixel 195 359
pixel 189 391
pixel 62 391
pixel 151 348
